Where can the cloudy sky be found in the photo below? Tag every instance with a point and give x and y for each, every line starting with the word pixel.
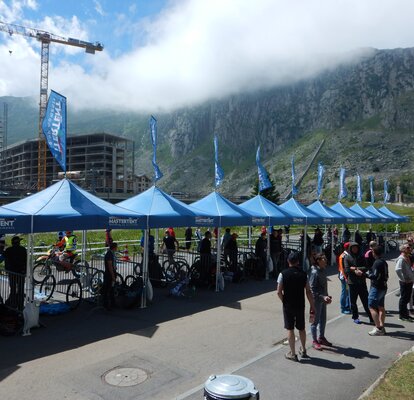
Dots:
pixel 164 54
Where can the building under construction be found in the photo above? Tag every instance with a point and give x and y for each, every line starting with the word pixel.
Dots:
pixel 100 163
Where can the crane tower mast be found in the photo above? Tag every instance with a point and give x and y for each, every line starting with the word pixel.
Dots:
pixel 45 38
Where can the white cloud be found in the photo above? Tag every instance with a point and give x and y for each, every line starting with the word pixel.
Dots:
pixel 98 8
pixel 197 50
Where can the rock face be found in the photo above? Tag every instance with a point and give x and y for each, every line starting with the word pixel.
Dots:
pixel 370 100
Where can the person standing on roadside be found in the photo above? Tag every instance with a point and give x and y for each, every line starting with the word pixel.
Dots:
pixel 318 282
pixel 405 274
pixel 344 299
pixel 355 273
pixel 188 236
pixel 109 276
pixel 376 297
pixel 291 289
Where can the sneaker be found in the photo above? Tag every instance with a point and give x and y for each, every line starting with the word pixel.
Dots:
pixel 290 356
pixel 357 321
pixel 346 312
pixel 316 345
pixel 383 330
pixel 303 353
pixel 376 332
pixel 406 319
pixel 324 342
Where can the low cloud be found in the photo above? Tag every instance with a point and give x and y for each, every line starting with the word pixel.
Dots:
pixel 200 50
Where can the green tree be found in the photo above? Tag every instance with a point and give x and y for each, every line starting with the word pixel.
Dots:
pixel 270 194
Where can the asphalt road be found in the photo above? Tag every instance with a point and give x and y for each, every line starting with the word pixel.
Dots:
pixel 170 348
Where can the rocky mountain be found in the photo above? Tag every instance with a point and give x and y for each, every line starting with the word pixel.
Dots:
pixel 363 110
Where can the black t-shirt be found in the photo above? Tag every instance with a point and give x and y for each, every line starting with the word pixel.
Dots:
pixel 109 256
pixel 15 259
pixel 294 282
pixel 379 274
pixel 205 247
pixel 169 242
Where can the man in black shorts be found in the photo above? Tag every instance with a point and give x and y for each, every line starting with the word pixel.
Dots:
pixel 291 288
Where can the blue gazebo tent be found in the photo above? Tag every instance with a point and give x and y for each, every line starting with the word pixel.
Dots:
pixel 381 217
pixel 13 222
pixel 369 217
pixel 397 217
pixel 264 212
pixel 351 216
pixel 329 216
pixel 160 209
pixel 300 214
pixel 222 211
pixel 65 206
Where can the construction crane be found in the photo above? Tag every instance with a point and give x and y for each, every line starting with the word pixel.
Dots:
pixel 45 38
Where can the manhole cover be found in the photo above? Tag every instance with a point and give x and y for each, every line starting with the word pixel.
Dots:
pixel 125 376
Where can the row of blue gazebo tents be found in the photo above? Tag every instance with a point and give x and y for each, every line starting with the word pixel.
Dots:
pixel 65 206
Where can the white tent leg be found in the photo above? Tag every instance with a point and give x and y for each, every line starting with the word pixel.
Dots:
pixel 218 262
pixel 145 269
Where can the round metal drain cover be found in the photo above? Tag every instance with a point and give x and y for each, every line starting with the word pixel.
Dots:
pixel 125 376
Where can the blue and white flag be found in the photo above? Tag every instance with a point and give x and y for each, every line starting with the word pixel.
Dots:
pixel 371 189
pixel 153 129
pixel 218 172
pixel 264 182
pixel 54 127
pixel 343 192
pixel 359 189
pixel 386 193
pixel 321 171
pixel 294 188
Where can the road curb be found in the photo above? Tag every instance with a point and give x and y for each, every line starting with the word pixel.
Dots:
pixel 381 377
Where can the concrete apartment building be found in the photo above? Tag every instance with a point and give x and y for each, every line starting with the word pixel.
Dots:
pixel 100 163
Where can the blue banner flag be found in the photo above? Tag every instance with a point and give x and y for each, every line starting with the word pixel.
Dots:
pixel 294 188
pixel 386 193
pixel 153 129
pixel 218 172
pixel 321 171
pixel 371 189
pixel 359 189
pixel 54 127
pixel 264 182
pixel 343 192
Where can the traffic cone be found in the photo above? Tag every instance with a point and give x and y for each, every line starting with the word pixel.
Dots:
pixel 126 253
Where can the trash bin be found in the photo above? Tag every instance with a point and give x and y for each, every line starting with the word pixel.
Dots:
pixel 220 387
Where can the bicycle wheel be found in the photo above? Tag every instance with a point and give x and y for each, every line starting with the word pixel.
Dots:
pixel 392 245
pixel 96 283
pixel 40 271
pixel 74 294
pixel 80 268
pixel 47 287
pixel 119 280
pixel 129 279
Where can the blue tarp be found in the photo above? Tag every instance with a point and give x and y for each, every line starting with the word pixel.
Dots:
pixel 65 206
pixel 392 214
pixel 329 216
pixel 300 214
pixel 351 216
pixel 381 217
pixel 369 217
pixel 161 210
pixel 265 212
pixel 222 212
pixel 12 222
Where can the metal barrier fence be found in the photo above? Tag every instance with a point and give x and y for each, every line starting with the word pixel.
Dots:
pixel 12 289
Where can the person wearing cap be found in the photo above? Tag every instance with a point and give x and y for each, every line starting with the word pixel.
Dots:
pixel 355 272
pixel 344 298
pixel 403 269
pixel 291 289
pixel 15 264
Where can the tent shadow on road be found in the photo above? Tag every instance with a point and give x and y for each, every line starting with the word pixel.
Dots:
pixel 89 323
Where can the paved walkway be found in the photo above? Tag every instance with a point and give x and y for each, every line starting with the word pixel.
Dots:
pixel 177 343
